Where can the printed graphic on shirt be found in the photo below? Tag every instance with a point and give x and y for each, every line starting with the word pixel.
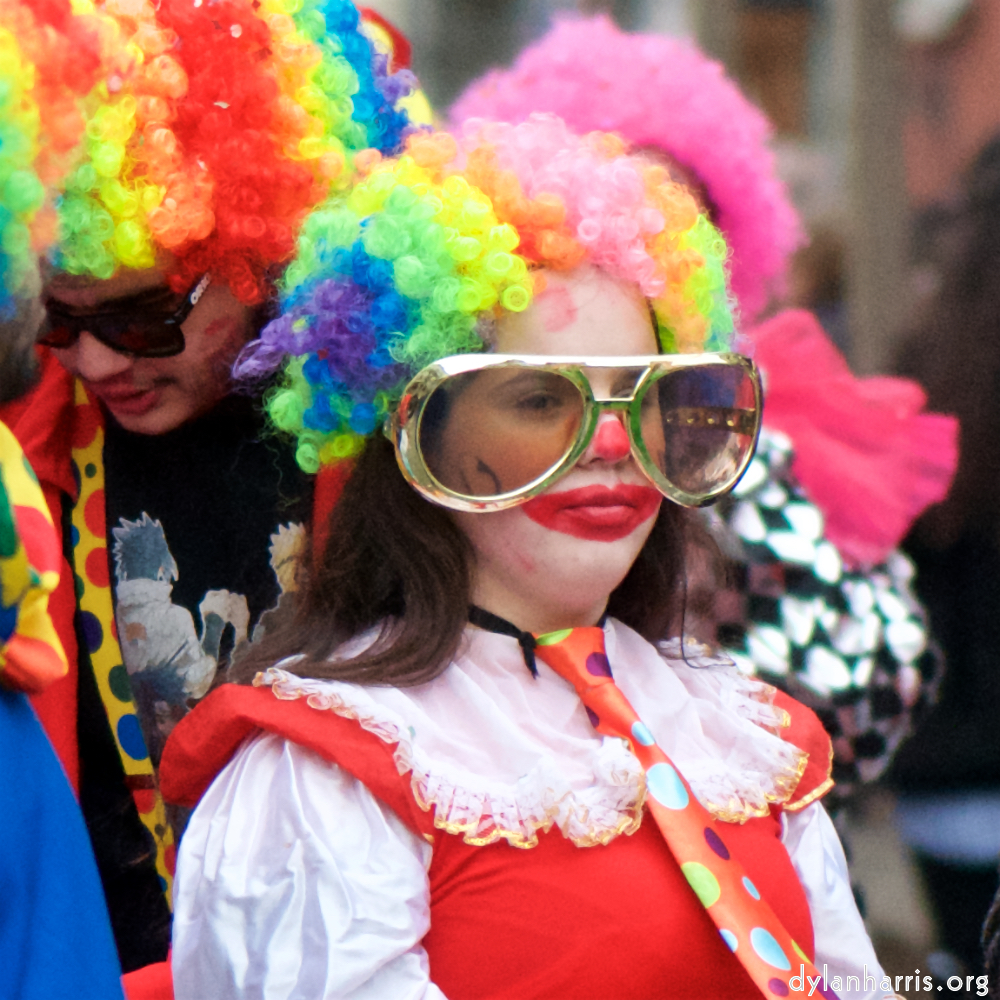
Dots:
pixel 285 551
pixel 172 660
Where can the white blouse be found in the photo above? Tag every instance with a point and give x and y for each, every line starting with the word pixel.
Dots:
pixel 294 883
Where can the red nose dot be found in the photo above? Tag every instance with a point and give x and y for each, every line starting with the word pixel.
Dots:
pixel 610 440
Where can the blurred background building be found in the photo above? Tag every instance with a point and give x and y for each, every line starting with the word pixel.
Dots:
pixel 879 106
pixel 829 74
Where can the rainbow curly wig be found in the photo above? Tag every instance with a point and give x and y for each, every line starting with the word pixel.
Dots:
pixel 661 92
pixel 50 59
pixel 402 271
pixel 226 124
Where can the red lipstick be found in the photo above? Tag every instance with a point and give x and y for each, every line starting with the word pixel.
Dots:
pixel 595 513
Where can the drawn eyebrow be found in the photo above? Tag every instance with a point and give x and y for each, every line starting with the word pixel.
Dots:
pixel 527 379
pixel 481 466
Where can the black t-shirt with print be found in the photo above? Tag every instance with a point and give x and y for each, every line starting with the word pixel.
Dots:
pixel 204 524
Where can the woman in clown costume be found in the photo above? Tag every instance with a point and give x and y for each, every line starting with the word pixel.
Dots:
pixel 520 340
pixel 822 605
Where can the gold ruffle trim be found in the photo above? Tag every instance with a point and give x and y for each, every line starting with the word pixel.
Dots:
pixel 594 837
pixel 484 829
pixel 737 809
pixel 785 785
pixel 818 792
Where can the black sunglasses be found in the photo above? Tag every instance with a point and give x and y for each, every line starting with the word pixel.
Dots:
pixel 136 326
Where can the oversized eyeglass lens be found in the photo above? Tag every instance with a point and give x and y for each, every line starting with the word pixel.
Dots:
pixel 697 427
pixel 487 433
pixel 484 434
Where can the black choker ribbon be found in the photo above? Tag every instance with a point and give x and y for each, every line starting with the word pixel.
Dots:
pixel 494 623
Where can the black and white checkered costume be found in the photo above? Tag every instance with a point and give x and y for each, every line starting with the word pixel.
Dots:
pixel 852 645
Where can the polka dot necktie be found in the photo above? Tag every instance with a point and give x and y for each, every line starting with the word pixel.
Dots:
pixel 746 922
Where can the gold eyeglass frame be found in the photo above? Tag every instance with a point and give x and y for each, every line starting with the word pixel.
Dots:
pixel 402 427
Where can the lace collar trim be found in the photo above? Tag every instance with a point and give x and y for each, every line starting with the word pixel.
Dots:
pixel 500 755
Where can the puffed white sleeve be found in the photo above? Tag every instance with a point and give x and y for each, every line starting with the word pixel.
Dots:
pixel 841 941
pixel 294 883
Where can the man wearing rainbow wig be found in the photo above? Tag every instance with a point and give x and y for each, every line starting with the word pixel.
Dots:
pixel 845 465
pixel 207 133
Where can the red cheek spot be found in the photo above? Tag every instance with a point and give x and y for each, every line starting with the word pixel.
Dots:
pixel 557 308
pixel 222 325
pixel 610 440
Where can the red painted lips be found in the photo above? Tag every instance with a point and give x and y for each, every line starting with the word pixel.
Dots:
pixel 595 513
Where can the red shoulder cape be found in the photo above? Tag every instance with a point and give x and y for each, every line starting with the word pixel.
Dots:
pixel 205 740
pixel 508 922
pixel 807 733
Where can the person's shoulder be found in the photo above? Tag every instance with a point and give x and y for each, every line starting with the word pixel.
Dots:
pixel 44 421
pixel 210 736
pixel 58 935
pixel 53 389
pixel 784 737
pixel 805 731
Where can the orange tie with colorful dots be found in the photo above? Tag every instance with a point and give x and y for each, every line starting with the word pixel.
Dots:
pixel 745 920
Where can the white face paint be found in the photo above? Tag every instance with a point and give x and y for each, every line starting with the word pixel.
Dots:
pixel 552 563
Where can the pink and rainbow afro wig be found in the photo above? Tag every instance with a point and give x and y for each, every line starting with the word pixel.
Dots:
pixel 458 230
pixel 660 92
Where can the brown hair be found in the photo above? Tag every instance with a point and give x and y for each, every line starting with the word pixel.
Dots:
pixel 398 562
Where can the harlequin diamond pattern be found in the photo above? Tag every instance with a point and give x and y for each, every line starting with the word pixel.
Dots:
pixel 851 645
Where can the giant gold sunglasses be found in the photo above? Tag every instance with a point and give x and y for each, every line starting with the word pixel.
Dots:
pixel 482 432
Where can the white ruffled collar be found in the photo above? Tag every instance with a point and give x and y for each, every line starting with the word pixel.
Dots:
pixel 500 754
